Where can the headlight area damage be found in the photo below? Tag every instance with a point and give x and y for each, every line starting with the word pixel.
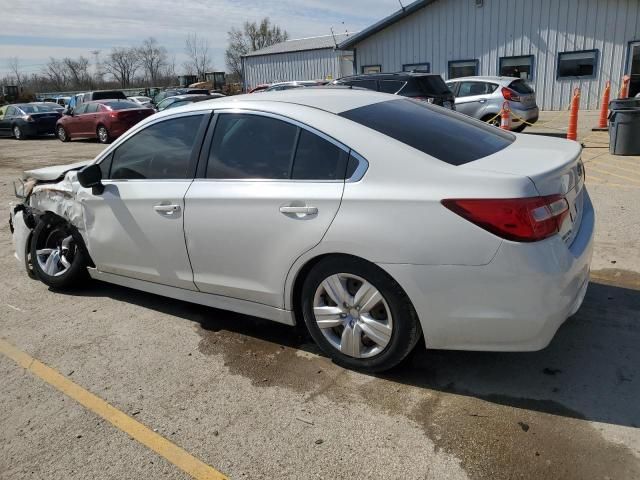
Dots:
pixel 48 226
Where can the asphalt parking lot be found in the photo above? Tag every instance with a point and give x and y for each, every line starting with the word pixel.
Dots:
pixel 255 399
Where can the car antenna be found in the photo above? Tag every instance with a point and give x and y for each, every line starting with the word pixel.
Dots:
pixel 401 6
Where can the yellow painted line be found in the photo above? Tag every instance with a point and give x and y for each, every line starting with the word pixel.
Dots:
pixel 613 174
pixel 163 447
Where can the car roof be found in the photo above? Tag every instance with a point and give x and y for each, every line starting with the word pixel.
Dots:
pixel 387 76
pixel 329 99
pixel 485 79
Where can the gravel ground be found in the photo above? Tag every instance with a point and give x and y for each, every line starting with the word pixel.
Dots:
pixel 255 399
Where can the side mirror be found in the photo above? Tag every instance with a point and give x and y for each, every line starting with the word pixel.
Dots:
pixel 91 176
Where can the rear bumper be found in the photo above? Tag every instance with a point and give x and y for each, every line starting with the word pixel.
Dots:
pixel 515 303
pixel 529 115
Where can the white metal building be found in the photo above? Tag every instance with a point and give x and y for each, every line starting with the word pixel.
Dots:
pixel 557 45
pixel 313 58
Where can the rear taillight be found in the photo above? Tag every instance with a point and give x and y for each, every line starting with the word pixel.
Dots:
pixel 518 219
pixel 510 95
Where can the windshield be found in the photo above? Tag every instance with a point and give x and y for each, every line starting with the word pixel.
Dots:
pixel 121 105
pixel 39 108
pixel 448 136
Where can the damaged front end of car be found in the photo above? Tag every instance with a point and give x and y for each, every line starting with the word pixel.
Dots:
pixel 48 223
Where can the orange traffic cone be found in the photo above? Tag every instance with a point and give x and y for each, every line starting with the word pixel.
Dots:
pixel 604 107
pixel 572 131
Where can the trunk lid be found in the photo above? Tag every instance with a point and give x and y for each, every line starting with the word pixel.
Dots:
pixel 553 165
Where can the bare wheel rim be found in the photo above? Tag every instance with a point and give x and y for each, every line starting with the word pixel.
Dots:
pixel 62 135
pixel 102 134
pixel 56 256
pixel 352 315
pixel 17 132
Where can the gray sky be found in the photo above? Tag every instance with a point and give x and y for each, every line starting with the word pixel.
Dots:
pixel 35 30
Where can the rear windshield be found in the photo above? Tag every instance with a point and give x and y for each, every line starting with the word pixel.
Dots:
pixel 39 108
pixel 520 86
pixel 428 85
pixel 436 131
pixel 193 91
pixel 121 105
pixel 110 94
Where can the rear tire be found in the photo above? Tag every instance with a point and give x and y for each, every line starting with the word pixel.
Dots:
pixel 373 329
pixel 57 259
pixel 103 134
pixel 18 133
pixel 495 121
pixel 62 134
pixel 520 128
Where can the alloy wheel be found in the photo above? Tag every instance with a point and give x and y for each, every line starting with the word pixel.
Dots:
pixel 352 315
pixel 62 134
pixel 56 257
pixel 17 132
pixel 103 135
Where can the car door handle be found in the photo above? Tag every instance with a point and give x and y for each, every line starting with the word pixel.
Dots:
pixel 287 209
pixel 167 210
pixel 482 101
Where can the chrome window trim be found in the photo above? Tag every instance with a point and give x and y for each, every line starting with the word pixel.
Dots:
pixel 363 164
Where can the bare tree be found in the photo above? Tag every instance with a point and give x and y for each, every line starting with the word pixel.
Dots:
pixel 253 36
pixel 122 63
pixel 56 73
pixel 199 57
pixel 153 58
pixel 78 72
pixel 14 68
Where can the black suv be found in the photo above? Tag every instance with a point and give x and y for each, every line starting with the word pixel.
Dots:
pixel 427 87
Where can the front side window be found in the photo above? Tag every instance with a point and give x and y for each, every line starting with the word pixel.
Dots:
pixel 251 146
pixel 82 108
pixel 519 67
pixel 160 151
pixel 433 130
pixel 577 64
pixel 463 68
pixel 92 107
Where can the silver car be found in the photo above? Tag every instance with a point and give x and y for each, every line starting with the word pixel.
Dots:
pixel 483 97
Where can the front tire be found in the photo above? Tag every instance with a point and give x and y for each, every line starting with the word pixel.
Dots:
pixel 103 134
pixel 57 259
pixel 62 134
pixel 358 315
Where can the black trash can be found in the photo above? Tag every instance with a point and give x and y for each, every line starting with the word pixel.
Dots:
pixel 624 132
pixel 624 103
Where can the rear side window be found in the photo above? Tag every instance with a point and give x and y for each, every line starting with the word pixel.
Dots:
pixel 160 151
pixel 251 146
pixel 318 159
pixel 520 86
pixel 447 136
pixel 368 84
pixel 429 85
pixel 390 86
pixel 121 105
pixel 468 89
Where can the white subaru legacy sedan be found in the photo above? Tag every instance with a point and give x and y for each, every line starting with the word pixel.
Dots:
pixel 374 219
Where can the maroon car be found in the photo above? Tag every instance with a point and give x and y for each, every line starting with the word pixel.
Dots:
pixel 101 119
